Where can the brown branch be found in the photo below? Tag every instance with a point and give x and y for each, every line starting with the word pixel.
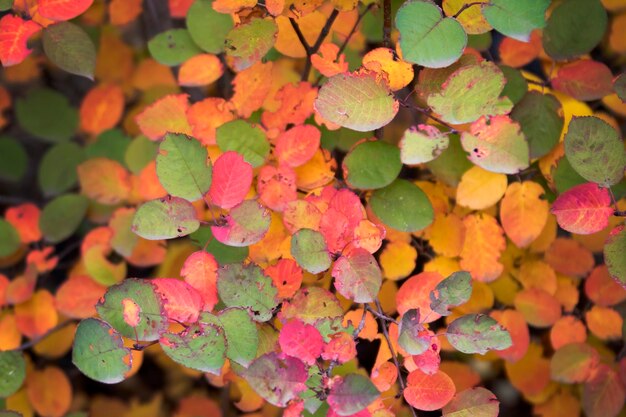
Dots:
pixel 430 115
pixel 383 324
pixel 387 23
pixel 312 49
pixel 379 315
pixel 34 341
pixel 619 213
pixel 355 27
pixel 467 6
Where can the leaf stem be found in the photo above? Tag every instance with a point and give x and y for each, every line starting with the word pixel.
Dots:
pixel 467 6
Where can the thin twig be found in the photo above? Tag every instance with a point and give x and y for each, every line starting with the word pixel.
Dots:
pixel 34 341
pixel 429 114
pixel 387 23
pixel 383 324
pixel 355 27
pixel 381 316
pixel 361 325
pixel 467 6
pixel 312 49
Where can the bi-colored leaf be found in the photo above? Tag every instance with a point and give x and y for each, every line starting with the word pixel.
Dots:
pixel 99 352
pixel 47 115
pixel 166 115
pixel 603 393
pixel 573 363
pixel 204 239
pixel 165 218
pixel 540 117
pixel 523 213
pixel 583 209
pixel 451 292
pixel 403 206
pixel 242 335
pixel 422 144
pixel 429 392
pixel 232 177
pixel 149 304
pixel 63 9
pixel 359 101
pixel 562 37
pixel 246 286
pixel 182 302
pixel 278 379
pixel 245 139
pixel 207 27
pixel 173 47
pixel 249 42
pixel 70 48
pixel 614 250
pixel 14 34
pixel 412 335
pixel 13 371
pixel 595 150
pixel 357 276
pixel 477 333
pixel 497 144
pixel 516 18
pixel 309 249
pixel 200 271
pixel 104 180
pixel 515 323
pixel 245 225
pixel 61 217
pixel 301 340
pixel 9 239
pixel 585 79
pixel 359 171
pixel 183 167
pixel 473 402
pixel 415 294
pixel 201 347
pixel 353 393
pixel 426 37
pixel 471 92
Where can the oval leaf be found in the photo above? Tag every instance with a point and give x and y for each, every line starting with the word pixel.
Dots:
pixel 583 209
pixel 70 48
pixel 357 276
pixel 309 249
pixel 477 333
pixel 165 218
pixel 200 347
pixel 403 206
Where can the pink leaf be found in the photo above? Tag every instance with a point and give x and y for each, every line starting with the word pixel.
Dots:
pixel 583 209
pixel 232 177
pixel 301 341
pixel 63 9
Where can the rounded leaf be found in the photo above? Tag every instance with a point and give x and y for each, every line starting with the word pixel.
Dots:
pixel 357 276
pixel 516 18
pixel 70 48
pixel 200 347
pixel 403 206
pixel 360 172
pixel 47 115
pixel 278 379
pixel 309 249
pixel 353 393
pixel 242 335
pixel 173 47
pixel 61 217
pixel 9 239
pixel 208 28
pixel 614 250
pixel 232 177
pixel 474 402
pixel 13 371
pixel 13 159
pixel 422 144
pixel 477 333
pixel 165 218
pixel 540 117
pixel 245 225
pixel 583 209
pixel 429 392
pixel 573 363
pixel 244 138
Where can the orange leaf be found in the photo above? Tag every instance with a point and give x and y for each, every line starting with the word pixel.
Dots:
pixel 199 70
pixel 276 186
pixel 25 219
pixel 168 114
pixel 251 87
pixel 122 12
pixel 63 9
pixel 183 302
pixel 415 293
pixel 484 242
pixel 78 296
pixel 568 257
pixel 523 213
pixel 604 322
pixel 104 180
pixel 296 106
pixel 516 53
pixel 297 145
pixel 101 109
pixel 286 276
pixel 179 8
pixel 539 308
pixel 567 329
pixel 37 315
pixel 429 392
pixel 206 116
pixel 49 391
pixel 531 374
pixel 200 272
pixel 324 60
pixel 602 289
pixel 514 322
pixel 10 336
pixel 14 33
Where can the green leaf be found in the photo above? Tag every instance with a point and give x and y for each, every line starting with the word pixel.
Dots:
pixel 426 37
pixel 403 206
pixel 13 371
pixel 203 237
pixel 422 144
pixel 242 336
pixel 357 276
pixel 360 172
pixel 451 164
pixel 409 331
pixel 565 177
pixel 497 145
pixel 70 48
pixel 477 333
pixel 473 402
pixel 516 85
pixel 247 286
pixel 208 28
pixel 471 92
pixel 110 144
pixel 244 138
pixel 6 5
pixel 13 159
pixel 173 47
pixel 308 248
pixel 57 169
pixel 614 250
pixel 358 101
pixel 451 292
pixel 99 352
pixel 516 18
pixel 619 85
pixel 139 153
pixel 165 218
pixel 9 239
pixel 563 38
pixel 595 150
pixel 310 305
pixel 143 296
pixel 9 413
pixel 540 116
pixel 46 114
pixel 249 42
pixel 352 394
pixel 278 379
pixel 61 217
pixel 245 225
pixel 183 167
pixel 201 347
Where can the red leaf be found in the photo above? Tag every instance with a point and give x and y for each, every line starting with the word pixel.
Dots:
pixel 200 271
pixel 301 341
pixel 232 177
pixel 286 276
pixel 183 303
pixel 25 219
pixel 583 209
pixel 297 145
pixel 584 80
pixel 63 9
pixel 14 33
